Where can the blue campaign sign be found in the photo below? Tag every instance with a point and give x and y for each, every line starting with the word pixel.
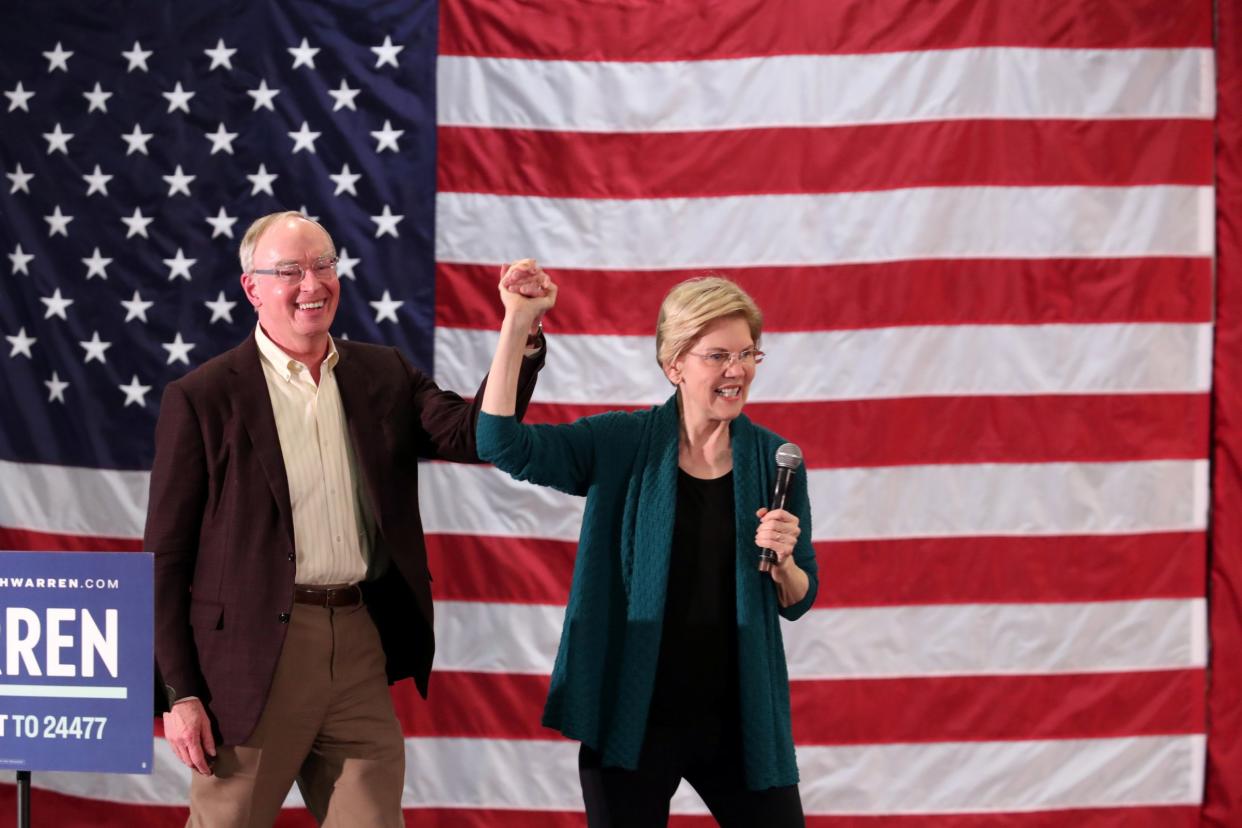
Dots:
pixel 75 661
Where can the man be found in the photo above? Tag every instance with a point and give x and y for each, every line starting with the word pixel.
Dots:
pixel 291 576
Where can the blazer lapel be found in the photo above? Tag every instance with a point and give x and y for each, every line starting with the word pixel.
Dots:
pixel 364 411
pixel 254 403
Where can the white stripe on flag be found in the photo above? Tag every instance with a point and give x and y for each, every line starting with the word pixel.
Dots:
pixel 73 501
pixel 932 500
pixel 872 363
pixel 802 229
pixel 883 642
pixel 935 500
pixel 919 778
pixel 824 90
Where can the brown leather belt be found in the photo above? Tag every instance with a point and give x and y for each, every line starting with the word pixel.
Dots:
pixel 346 596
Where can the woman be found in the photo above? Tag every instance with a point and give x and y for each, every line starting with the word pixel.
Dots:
pixel 670 664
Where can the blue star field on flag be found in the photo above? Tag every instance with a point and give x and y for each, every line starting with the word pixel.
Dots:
pixel 139 140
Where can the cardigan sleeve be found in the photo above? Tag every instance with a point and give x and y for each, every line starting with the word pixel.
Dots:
pixel 804 552
pixel 560 456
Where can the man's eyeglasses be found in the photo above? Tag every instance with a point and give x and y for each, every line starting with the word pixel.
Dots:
pixel 723 359
pixel 291 274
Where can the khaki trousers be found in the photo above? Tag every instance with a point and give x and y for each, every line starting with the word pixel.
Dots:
pixel 328 724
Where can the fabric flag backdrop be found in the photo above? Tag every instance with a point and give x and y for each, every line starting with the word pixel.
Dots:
pixel 983 236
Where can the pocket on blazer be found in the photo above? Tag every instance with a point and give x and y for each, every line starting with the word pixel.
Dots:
pixel 206 615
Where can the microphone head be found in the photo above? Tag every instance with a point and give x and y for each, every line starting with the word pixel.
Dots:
pixel 788 456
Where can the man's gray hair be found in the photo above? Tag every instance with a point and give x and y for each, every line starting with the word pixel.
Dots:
pixel 245 251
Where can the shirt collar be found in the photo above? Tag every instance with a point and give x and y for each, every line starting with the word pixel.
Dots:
pixel 286 366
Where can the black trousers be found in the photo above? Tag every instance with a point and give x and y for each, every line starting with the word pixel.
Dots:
pixel 620 798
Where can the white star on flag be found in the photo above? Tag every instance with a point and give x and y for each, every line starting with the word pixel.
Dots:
pixel 220 56
pixel 58 58
pixel 178 350
pixel 57 140
pixel 178 98
pixel 98 181
pixel 221 308
pixel 96 265
pixel 344 97
pixel 304 138
pixel 95 348
pixel 303 54
pixel 221 139
pixel 387 137
pixel 386 308
pixel 98 99
pixel 345 181
pixel 386 52
pixel 58 223
pixel 136 308
pixel 20 179
pixel 178 182
pixel 261 182
pixel 56 388
pixel 18 97
pixel 137 140
pixel 179 266
pixel 222 224
pixel 263 96
pixel 137 224
pixel 345 264
pixel 386 223
pixel 21 344
pixel 135 392
pixel 56 305
pixel 137 57
pixel 306 213
pixel 19 259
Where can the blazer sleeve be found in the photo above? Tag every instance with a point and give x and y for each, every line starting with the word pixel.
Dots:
pixel 175 508
pixel 448 423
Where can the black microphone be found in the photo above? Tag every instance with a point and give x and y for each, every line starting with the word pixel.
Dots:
pixel 788 459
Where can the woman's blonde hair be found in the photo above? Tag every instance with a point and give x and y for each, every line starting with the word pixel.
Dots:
pixel 245 251
pixel 694 304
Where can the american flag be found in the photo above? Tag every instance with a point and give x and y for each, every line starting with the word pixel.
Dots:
pixel 983 238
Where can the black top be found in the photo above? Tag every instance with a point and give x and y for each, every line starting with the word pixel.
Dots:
pixel 696 686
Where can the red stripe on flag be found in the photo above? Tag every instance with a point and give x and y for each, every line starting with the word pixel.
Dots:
pixel 502 569
pixel 865 711
pixel 749 28
pixel 1011 569
pixel 998 708
pixel 63 811
pixel 475 705
pixel 904 431
pixel 491 818
pixel 824 160
pixel 954 570
pixel 1149 816
pixel 26 540
pixel 918 292
pixel 73 812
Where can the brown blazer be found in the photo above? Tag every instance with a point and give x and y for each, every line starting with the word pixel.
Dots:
pixel 220 524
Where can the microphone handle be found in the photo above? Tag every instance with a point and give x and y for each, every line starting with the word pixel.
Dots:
pixel 780 494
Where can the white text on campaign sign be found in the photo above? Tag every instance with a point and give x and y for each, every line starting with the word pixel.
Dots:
pixel 76 684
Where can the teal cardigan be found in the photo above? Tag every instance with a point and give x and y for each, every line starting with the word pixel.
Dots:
pixel 626 466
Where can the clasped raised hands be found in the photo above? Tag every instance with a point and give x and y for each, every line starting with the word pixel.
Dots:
pixel 527 293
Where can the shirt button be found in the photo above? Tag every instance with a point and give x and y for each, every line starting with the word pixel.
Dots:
pixel 291 556
pixel 284 618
